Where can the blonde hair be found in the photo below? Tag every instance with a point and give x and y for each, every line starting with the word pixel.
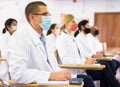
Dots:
pixel 67 18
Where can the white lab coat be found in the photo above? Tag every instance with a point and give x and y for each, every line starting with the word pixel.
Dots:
pixel 95 42
pixel 4 39
pixel 68 51
pixel 26 58
pixel 51 45
pixel 84 41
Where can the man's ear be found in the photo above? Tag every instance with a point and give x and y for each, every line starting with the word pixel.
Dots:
pixel 31 17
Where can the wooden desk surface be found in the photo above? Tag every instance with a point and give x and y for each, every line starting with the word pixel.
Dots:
pixel 37 85
pixel 82 66
pixel 2 59
pixel 104 59
pixel 113 50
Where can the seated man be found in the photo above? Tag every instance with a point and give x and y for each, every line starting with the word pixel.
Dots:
pixel 26 52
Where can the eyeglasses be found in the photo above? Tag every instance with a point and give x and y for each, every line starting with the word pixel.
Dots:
pixel 44 14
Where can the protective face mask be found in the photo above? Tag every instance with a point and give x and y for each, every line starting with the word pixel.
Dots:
pixel 74 27
pixel 46 22
pixel 14 28
pixel 96 32
pixel 87 30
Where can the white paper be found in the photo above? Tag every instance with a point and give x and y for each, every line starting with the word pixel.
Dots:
pixel 54 83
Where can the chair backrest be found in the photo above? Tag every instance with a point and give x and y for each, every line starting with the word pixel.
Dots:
pixel 57 57
pixel 1 82
pixel 2 59
pixel 104 44
pixel 5 74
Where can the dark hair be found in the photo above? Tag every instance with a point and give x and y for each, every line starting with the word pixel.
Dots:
pixel 33 8
pixel 94 31
pixel 51 28
pixel 8 22
pixel 81 23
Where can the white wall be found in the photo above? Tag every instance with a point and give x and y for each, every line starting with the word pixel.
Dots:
pixel 86 8
pixel 81 9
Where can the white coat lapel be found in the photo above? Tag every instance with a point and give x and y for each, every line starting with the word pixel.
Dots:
pixel 35 38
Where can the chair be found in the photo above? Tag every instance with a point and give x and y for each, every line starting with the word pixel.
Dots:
pixel 57 56
pixel 71 66
pixel 76 66
pixel 2 59
pixel 1 82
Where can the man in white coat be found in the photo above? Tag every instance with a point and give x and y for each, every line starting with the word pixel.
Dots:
pixel 27 56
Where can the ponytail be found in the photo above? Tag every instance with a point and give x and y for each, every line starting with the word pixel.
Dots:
pixel 4 30
pixel 76 33
pixel 48 32
pixel 81 23
pixel 51 28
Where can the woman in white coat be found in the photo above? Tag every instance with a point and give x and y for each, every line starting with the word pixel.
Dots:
pixel 10 28
pixel 68 50
pixel 52 35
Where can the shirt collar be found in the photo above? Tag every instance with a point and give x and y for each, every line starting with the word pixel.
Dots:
pixel 64 33
pixel 34 35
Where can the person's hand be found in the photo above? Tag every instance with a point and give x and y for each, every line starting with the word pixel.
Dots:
pixel 117 76
pixel 98 55
pixel 90 61
pixel 60 75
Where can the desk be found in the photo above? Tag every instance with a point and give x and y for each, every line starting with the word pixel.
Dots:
pixel 104 59
pixel 2 59
pixel 77 66
pixel 37 85
pixel 112 50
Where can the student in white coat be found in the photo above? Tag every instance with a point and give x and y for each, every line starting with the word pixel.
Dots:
pixel 52 35
pixel 97 44
pixel 102 75
pixel 68 50
pixel 114 64
pixel 10 28
pixel 27 55
pixel 83 38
